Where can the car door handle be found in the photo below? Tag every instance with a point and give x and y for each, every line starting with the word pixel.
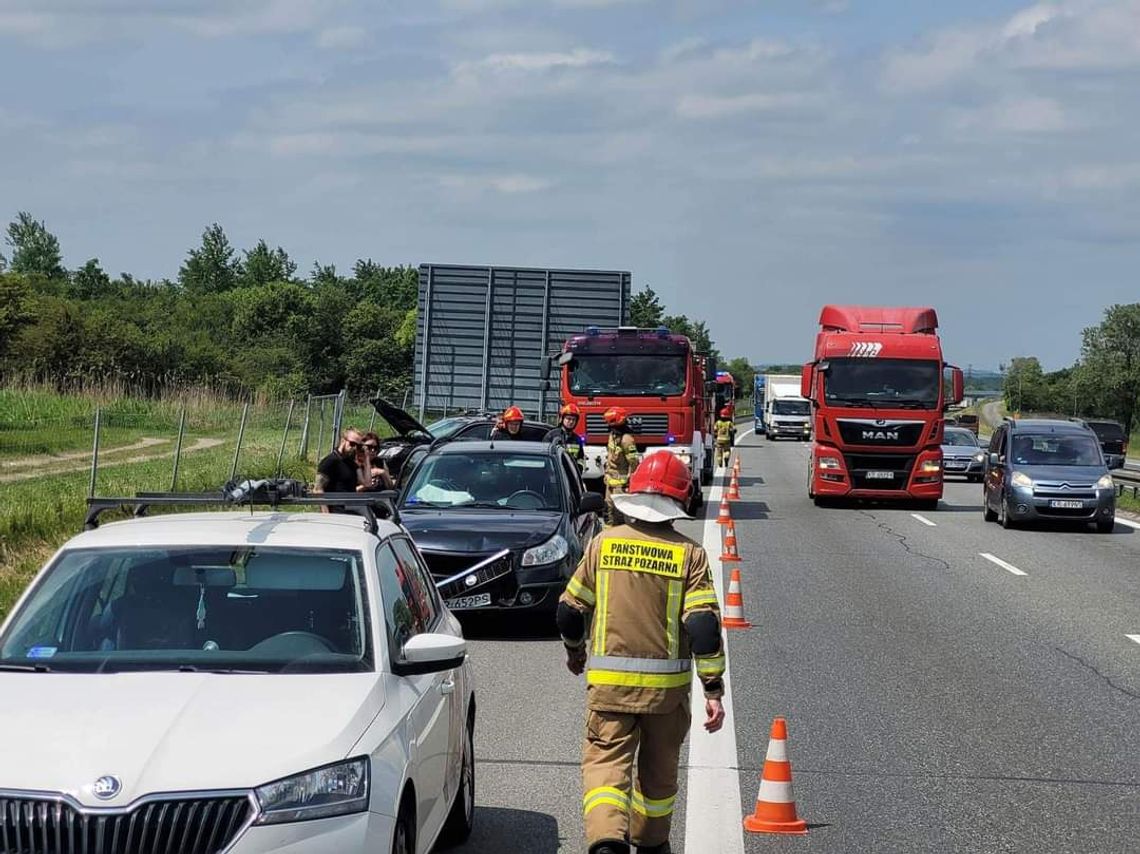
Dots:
pixel 447 687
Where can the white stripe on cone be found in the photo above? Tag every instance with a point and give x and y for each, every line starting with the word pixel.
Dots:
pixel 777 750
pixel 775 792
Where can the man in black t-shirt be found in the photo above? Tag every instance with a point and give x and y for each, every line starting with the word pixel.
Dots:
pixel 339 471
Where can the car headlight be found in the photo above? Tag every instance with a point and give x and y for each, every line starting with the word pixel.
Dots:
pixel 552 550
pixel 1106 482
pixel 338 789
pixel 1021 479
pixel 980 457
pixel 931 466
pixel 830 463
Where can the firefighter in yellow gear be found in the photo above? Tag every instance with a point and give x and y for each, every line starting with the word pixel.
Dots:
pixel 621 459
pixel 723 432
pixel 646 593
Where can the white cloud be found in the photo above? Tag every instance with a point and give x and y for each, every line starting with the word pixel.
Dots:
pixel 721 106
pixel 536 62
pixel 503 184
pixel 342 38
pixel 1029 115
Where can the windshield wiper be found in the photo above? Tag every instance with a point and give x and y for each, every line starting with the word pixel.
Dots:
pixel 493 505
pixel 191 668
pixel 851 401
pixel 25 668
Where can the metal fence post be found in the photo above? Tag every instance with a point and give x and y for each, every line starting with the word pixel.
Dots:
pixel 95 453
pixel 321 426
pixel 303 449
pixel 241 436
pixel 178 449
pixel 284 438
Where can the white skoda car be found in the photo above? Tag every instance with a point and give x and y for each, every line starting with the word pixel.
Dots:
pixel 235 682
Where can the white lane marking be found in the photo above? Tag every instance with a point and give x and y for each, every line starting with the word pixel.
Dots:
pixel 1128 522
pixel 923 520
pixel 1133 638
pixel 999 562
pixel 713 806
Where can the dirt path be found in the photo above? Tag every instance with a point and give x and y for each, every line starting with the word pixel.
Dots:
pixel 200 445
pixel 47 460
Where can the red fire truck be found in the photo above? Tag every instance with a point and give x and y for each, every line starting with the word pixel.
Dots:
pixel 656 377
pixel 878 387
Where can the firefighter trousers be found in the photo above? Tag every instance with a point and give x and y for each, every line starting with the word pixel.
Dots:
pixel 723 451
pixel 613 515
pixel 620 805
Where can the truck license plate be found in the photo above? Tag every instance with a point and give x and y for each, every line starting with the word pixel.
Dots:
pixel 479 600
pixel 1066 504
pixel 880 475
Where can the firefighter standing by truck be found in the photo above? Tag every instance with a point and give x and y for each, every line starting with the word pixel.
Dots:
pixel 566 433
pixel 509 425
pixel 621 459
pixel 654 611
pixel 723 430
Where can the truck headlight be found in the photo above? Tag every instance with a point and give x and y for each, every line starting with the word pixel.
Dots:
pixel 829 463
pixel 931 467
pixel 1106 482
pixel 339 789
pixel 1021 479
pixel 552 550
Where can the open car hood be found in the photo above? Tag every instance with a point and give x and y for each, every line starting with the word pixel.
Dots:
pixel 400 421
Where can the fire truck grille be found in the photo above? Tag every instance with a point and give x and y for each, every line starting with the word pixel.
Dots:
pixel 643 424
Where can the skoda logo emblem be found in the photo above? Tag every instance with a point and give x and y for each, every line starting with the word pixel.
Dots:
pixel 106 787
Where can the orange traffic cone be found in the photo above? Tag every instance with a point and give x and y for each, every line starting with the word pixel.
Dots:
pixel 733 489
pixel 730 553
pixel 775 805
pixel 736 465
pixel 734 604
pixel 723 517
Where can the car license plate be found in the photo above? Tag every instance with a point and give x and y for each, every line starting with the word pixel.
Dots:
pixel 954 464
pixel 1066 504
pixel 880 475
pixel 479 600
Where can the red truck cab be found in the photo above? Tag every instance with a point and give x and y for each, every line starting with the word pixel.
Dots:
pixel 878 389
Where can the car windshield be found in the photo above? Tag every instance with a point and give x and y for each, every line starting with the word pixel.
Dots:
pixel 960 437
pixel 1107 431
pixel 883 382
pixel 446 427
pixel 1053 450
pixel 486 479
pixel 200 608
pixel 791 407
pixel 657 375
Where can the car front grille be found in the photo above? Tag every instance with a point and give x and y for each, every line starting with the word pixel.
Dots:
pixel 37 825
pixel 858 466
pixel 1045 489
pixel 860 431
pixel 640 423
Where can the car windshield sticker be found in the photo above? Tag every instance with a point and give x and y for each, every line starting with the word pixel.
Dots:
pixel 41 652
pixel 641 556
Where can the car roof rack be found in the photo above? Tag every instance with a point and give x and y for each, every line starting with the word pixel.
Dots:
pixel 257 493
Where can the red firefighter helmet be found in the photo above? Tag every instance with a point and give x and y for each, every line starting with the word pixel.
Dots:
pixel 512 413
pixel 615 416
pixel 662 473
pixel 725 413
pixel 570 409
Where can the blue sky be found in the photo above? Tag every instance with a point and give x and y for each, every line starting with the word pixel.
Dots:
pixel 748 160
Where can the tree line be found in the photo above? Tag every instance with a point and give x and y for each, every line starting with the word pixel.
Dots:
pixel 240 321
pixel 1104 382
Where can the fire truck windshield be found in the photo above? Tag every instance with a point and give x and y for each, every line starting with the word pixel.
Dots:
pixel 614 374
pixel 883 382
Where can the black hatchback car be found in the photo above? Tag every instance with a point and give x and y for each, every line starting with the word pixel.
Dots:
pixel 467 503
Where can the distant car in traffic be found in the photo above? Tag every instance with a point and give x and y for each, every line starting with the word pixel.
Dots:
pixel 962 455
pixel 1113 441
pixel 1038 469
pixel 409 445
pixel 239 682
pixel 519 502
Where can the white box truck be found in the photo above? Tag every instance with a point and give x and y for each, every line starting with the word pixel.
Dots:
pixel 786 414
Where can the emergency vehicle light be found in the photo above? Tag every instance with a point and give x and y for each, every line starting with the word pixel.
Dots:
pixel 670 438
pixel 662 332
pixel 592 330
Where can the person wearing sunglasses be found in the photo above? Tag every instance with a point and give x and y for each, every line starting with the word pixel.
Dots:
pixel 374 474
pixel 337 472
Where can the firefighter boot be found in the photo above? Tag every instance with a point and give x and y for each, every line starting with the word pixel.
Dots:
pixel 609 847
pixel 663 848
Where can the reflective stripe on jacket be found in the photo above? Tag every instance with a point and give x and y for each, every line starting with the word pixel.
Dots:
pixel 621 459
pixel 723 430
pixel 641 581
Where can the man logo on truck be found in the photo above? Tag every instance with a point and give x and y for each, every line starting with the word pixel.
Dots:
pixel 881 435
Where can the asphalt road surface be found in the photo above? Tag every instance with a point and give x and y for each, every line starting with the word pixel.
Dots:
pixel 948 686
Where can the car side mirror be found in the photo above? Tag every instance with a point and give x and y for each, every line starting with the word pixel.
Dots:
pixel 544 368
pixel 805 381
pixel 995 459
pixel 591 503
pixel 430 653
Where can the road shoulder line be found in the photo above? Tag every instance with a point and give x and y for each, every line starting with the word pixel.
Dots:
pixel 997 561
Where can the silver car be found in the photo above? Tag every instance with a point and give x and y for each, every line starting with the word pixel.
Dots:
pixel 962 455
